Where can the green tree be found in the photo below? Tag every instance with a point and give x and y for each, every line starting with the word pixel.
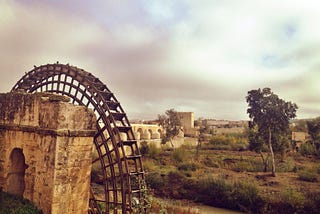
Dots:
pixel 256 143
pixel 313 127
pixel 271 116
pixel 204 131
pixel 171 123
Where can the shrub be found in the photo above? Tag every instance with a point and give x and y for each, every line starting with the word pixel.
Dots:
pixel 220 140
pixel 241 195
pixel 246 195
pixel 307 149
pixel 243 167
pixel 308 175
pixel 318 168
pixel 207 161
pixel 188 167
pixel 150 150
pixel 234 142
pixel 154 180
pixel 96 173
pixel 312 202
pixel 179 155
pixel 171 185
pixel 175 176
pixel 294 198
pixel 154 152
pixel 102 206
pixel 239 146
pixel 215 192
pixel 286 166
pixel 247 165
pixel 149 165
pixel 144 148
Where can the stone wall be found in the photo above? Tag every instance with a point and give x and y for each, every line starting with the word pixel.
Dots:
pixel 186 119
pixel 187 122
pixel 45 151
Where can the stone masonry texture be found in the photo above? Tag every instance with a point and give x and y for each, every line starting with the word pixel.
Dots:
pixel 45 150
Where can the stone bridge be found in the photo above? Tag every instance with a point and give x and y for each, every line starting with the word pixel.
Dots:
pixel 147 131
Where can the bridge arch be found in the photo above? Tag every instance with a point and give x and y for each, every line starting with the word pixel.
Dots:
pixel 147 131
pixel 160 131
pixel 122 171
pixel 140 132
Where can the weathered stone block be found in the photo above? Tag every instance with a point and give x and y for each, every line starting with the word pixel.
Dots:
pixel 45 150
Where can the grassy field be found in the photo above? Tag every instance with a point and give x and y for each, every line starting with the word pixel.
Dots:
pixel 232 177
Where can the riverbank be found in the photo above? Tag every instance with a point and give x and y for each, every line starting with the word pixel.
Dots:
pixel 234 179
pixel 203 209
pixel 186 207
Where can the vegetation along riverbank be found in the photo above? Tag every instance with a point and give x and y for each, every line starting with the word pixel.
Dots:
pixel 224 173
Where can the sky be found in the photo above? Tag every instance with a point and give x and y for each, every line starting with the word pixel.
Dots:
pixel 191 55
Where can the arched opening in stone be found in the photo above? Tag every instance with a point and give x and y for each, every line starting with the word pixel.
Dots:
pixel 140 131
pixel 160 132
pixel 16 173
pixel 140 134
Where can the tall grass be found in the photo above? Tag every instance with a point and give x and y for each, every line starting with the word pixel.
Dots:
pixel 294 198
pixel 308 149
pixel 308 174
pixel 228 142
pixel 179 155
pixel 150 150
pixel 239 195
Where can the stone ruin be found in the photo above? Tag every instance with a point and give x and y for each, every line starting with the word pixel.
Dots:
pixel 46 150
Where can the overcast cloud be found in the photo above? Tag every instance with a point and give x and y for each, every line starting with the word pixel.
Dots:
pixel 201 56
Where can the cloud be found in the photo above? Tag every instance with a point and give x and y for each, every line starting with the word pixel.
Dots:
pixel 30 36
pixel 192 56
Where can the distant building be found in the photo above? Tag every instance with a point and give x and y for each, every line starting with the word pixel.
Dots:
pixel 298 138
pixel 216 123
pixel 187 122
pixel 186 119
pixel 225 126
